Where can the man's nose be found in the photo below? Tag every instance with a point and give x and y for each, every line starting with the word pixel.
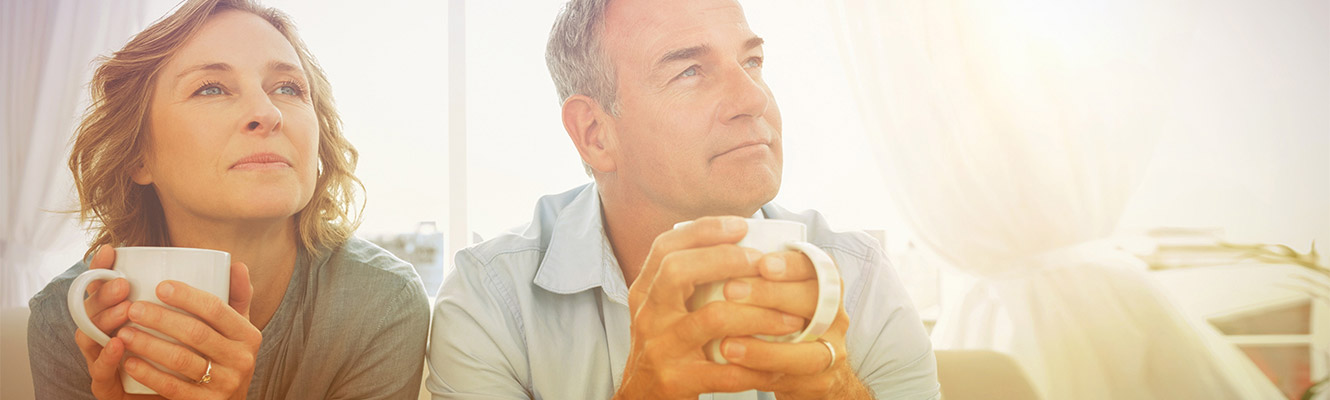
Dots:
pixel 745 98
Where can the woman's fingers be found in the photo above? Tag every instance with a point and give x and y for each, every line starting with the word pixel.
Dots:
pixel 103 365
pixel 170 355
pixel 207 307
pixel 164 384
pixel 242 293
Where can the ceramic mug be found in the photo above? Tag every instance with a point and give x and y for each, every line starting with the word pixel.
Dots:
pixel 769 236
pixel 145 268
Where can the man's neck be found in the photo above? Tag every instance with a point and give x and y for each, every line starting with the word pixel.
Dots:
pixel 632 224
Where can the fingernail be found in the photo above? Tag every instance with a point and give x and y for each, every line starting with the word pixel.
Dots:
pixel 165 290
pixel 775 267
pixel 737 290
pixel 794 321
pixel 126 334
pixel 136 311
pixel 753 255
pixel 734 224
pixel 734 351
pixel 133 364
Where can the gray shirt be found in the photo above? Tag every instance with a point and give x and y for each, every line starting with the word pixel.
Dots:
pixel 352 324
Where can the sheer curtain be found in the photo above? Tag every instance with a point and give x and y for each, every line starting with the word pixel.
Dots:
pixel 48 49
pixel 1011 134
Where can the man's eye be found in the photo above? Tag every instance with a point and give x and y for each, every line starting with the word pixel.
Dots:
pixel 691 71
pixel 753 62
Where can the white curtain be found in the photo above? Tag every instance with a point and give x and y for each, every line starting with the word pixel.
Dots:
pixel 1011 133
pixel 48 51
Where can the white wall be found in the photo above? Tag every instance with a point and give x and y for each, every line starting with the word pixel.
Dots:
pixel 1249 147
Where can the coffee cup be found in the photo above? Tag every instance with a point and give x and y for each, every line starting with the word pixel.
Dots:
pixel 769 236
pixel 145 268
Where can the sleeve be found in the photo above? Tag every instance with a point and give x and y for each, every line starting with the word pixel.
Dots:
pixel 389 365
pixel 476 344
pixel 888 346
pixel 58 368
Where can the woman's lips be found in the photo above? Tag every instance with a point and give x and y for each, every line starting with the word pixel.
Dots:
pixel 261 161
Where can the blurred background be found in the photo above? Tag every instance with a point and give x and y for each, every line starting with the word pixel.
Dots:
pixel 1006 153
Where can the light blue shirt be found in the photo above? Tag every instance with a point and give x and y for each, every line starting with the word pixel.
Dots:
pixel 542 313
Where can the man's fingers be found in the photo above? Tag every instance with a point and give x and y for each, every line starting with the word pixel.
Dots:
pixel 722 318
pixel 704 232
pixel 797 298
pixel 804 358
pixel 786 266
pixel 684 269
pixel 242 292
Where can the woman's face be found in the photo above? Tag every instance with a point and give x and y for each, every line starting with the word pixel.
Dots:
pixel 233 135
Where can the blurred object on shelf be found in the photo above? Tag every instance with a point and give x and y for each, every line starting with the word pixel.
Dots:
pixel 423 249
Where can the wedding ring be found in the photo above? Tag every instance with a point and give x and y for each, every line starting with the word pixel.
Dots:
pixel 207 374
pixel 832 349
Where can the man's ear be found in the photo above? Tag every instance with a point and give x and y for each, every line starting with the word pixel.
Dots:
pixel 141 174
pixel 592 131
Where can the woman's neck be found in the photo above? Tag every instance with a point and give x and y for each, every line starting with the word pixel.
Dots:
pixel 268 249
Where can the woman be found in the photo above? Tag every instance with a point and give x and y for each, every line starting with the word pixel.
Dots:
pixel 214 128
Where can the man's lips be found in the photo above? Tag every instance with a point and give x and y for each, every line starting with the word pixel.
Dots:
pixel 743 146
pixel 261 161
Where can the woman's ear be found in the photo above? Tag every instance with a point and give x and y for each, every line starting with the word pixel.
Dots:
pixel 141 175
pixel 592 131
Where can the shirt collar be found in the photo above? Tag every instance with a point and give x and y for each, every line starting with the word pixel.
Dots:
pixel 579 256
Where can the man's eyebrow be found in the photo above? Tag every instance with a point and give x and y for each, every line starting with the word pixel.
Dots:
pixel 684 54
pixel 753 43
pixel 697 51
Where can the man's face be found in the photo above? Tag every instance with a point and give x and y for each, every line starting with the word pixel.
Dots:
pixel 698 130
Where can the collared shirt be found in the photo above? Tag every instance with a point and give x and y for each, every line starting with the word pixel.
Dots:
pixel 542 312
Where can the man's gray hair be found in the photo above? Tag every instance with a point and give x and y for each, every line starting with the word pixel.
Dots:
pixel 576 56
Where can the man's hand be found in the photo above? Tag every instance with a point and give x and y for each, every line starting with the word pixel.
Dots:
pixel 666 360
pixel 788 283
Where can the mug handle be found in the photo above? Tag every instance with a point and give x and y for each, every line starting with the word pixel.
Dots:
pixel 75 300
pixel 828 293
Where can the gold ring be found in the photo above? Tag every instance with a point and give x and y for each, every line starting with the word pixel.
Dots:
pixel 207 374
pixel 832 349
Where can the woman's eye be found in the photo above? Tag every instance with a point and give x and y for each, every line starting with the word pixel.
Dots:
pixel 753 62
pixel 209 91
pixel 288 90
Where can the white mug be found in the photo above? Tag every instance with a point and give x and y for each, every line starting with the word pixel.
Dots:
pixel 769 236
pixel 145 268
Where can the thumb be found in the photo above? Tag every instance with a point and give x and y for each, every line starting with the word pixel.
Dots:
pixel 241 290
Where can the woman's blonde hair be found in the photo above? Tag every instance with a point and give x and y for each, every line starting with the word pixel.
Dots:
pixel 109 142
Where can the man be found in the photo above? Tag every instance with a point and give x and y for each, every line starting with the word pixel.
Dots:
pixel 666 105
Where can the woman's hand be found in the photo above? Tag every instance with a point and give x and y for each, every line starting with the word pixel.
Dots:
pixel 109 311
pixel 227 343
